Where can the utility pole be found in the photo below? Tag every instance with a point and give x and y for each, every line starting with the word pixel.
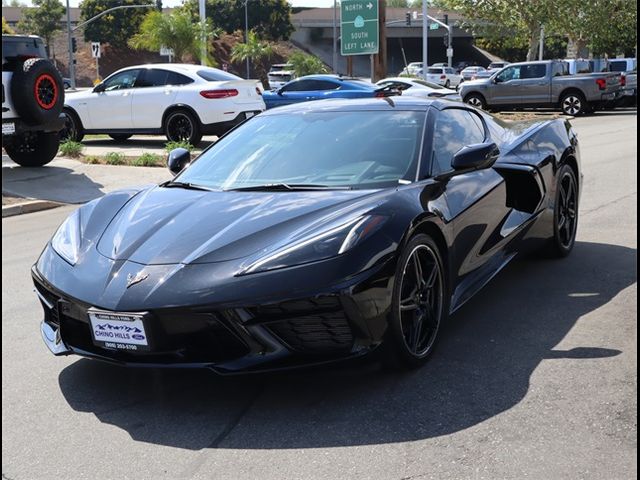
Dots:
pixel 202 10
pixel 246 29
pixel 72 67
pixel 425 34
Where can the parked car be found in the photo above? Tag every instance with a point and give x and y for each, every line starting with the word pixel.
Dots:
pixel 320 87
pixel 459 66
pixel 445 76
pixel 280 74
pixel 469 72
pixel 497 65
pixel 419 88
pixel 312 233
pixel 629 89
pixel 182 102
pixel 32 99
pixel 485 73
pixel 542 84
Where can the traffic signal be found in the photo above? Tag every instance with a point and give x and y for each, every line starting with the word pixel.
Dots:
pixel 408 19
pixel 74 45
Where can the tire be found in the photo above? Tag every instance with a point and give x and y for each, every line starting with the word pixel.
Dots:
pixel 120 137
pixel 37 91
pixel 476 100
pixel 413 331
pixel 447 84
pixel 33 149
pixel 182 126
pixel 573 103
pixel 73 129
pixel 565 215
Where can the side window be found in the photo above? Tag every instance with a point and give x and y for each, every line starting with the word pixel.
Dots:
pixel 535 70
pixel 121 80
pixel 450 71
pixel 454 129
pixel 152 78
pixel 509 73
pixel 178 79
pixel 617 66
pixel 301 86
pixel 324 85
pixel 561 69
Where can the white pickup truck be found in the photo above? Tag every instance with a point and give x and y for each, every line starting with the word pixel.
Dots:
pixel 32 100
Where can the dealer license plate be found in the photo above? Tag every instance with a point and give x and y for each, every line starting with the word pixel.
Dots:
pixel 8 128
pixel 118 331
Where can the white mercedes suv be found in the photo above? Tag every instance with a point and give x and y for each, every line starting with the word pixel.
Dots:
pixel 180 101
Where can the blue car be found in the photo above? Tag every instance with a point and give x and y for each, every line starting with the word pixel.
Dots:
pixel 320 87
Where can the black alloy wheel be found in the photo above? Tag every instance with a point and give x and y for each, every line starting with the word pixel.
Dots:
pixel 181 126
pixel 419 303
pixel 476 100
pixel 565 215
pixel 72 129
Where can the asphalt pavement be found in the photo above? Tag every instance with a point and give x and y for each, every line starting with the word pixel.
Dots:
pixel 534 378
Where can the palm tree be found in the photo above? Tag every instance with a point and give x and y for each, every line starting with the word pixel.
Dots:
pixel 177 30
pixel 256 51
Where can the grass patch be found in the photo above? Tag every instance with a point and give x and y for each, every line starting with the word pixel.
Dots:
pixel 92 159
pixel 115 158
pixel 147 160
pixel 172 145
pixel 72 149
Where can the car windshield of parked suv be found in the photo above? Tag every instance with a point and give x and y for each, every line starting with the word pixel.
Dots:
pixel 329 149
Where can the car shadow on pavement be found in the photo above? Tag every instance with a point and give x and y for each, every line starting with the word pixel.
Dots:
pixel 483 365
pixel 58 184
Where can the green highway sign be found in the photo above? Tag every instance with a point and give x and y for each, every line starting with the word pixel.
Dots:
pixel 359 27
pixel 434 26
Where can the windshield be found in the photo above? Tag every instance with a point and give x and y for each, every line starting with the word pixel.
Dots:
pixel 363 149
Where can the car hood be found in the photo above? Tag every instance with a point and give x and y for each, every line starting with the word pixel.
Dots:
pixel 177 226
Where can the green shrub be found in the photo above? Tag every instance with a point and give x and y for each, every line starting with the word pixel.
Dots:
pixel 114 158
pixel 172 145
pixel 72 149
pixel 92 159
pixel 147 160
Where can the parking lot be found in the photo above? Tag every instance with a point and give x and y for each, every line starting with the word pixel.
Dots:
pixel 534 378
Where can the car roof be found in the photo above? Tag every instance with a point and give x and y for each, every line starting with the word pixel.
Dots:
pixel 391 103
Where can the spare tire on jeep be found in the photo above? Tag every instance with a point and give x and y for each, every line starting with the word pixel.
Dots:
pixel 37 91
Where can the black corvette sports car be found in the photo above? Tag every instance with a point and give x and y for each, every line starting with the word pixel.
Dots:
pixel 310 233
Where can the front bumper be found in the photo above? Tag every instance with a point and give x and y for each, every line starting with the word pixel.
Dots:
pixel 346 322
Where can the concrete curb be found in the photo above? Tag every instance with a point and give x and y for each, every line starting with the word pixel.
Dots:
pixel 28 207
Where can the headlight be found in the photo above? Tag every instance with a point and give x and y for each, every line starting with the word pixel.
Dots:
pixel 329 243
pixel 66 241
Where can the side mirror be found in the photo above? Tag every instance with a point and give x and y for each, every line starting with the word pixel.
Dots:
pixel 475 157
pixel 178 159
pixel 99 88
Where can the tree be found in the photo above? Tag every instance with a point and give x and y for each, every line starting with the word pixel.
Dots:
pixel 115 28
pixel 43 19
pixel 177 30
pixel 397 3
pixel 519 18
pixel 6 29
pixel 304 64
pixel 604 27
pixel 270 19
pixel 257 52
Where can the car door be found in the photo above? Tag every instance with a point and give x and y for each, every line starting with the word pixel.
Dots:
pixel 155 90
pixel 506 88
pixel 293 92
pixel 322 89
pixel 536 89
pixel 476 201
pixel 110 107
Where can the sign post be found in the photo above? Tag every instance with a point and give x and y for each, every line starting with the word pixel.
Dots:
pixel 166 52
pixel 95 53
pixel 359 27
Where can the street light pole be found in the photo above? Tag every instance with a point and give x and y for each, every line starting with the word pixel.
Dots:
pixel 202 10
pixel 72 67
pixel 425 34
pixel 335 37
pixel 541 51
pixel 246 29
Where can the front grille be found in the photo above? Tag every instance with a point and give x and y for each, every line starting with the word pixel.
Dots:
pixel 320 333
pixel 176 336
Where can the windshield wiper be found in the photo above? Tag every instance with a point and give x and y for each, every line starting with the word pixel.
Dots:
pixel 186 185
pixel 285 187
